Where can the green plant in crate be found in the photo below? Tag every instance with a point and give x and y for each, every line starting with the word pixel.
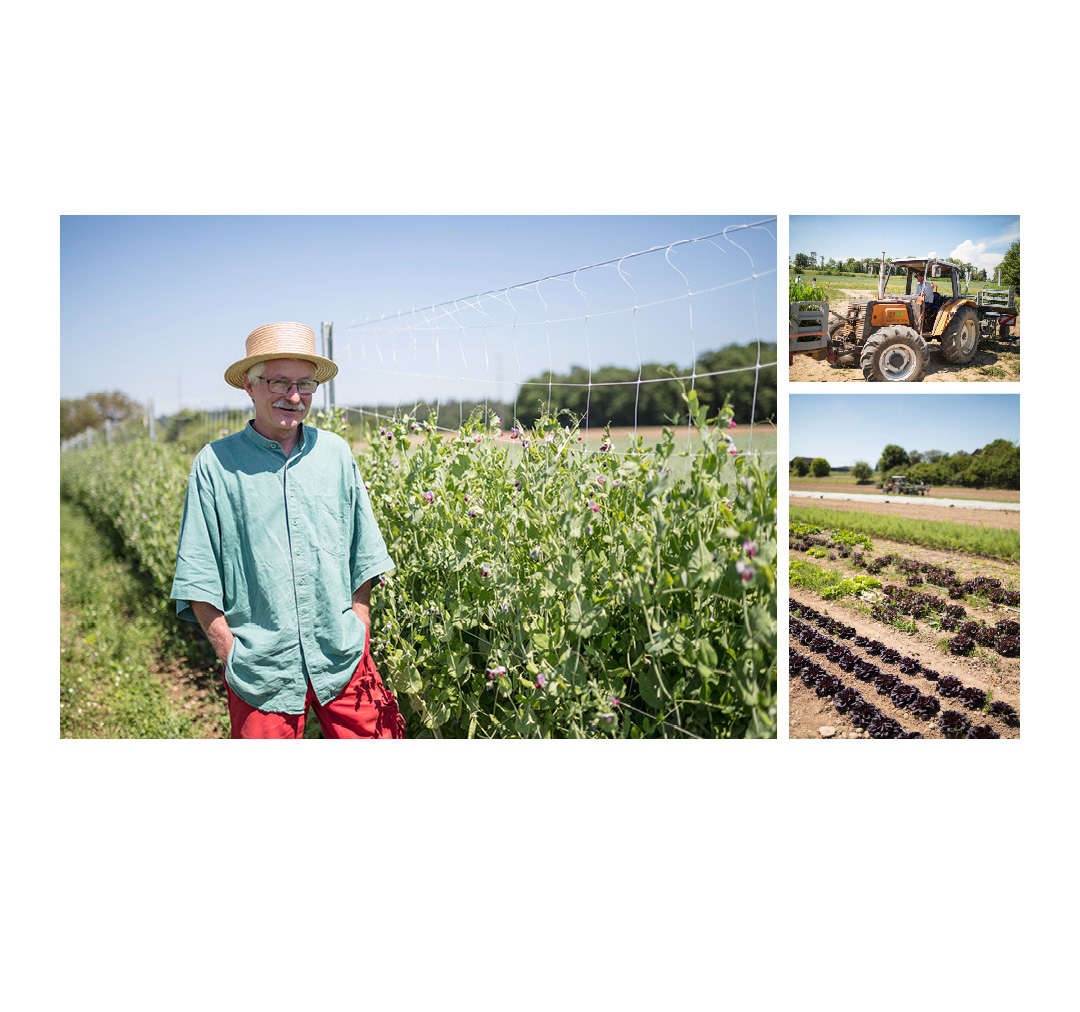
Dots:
pixel 805 292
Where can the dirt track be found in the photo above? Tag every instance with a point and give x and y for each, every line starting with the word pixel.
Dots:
pixel 1001 520
pixel 984 494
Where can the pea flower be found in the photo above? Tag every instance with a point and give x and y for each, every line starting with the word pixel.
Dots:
pixel 541 681
pixel 593 506
pixel 496 672
pixel 731 423
pixel 734 451
pixel 428 497
pixel 746 573
pixel 484 571
pixel 750 547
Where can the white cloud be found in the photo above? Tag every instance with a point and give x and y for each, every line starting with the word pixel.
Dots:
pixel 975 253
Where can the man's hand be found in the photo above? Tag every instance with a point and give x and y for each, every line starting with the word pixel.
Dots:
pixel 216 628
pixel 361 604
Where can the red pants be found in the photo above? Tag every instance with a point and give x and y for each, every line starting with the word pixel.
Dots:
pixel 365 708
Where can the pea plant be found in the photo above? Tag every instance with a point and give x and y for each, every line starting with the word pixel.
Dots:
pixel 545 591
pixel 541 590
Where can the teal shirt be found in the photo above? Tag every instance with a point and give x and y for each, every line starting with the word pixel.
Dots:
pixel 279 546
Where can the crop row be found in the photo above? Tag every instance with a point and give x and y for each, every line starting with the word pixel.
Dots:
pixel 546 591
pixel 864 714
pixel 1003 636
pixel 917 573
pixel 902 694
pixel 948 535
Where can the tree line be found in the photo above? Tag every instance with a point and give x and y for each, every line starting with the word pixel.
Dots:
pixel 1008 271
pixel 657 400
pixel 996 465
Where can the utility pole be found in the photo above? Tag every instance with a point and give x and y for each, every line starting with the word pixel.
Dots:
pixel 151 420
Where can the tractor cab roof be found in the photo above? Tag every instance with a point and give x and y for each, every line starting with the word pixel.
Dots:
pixel 920 264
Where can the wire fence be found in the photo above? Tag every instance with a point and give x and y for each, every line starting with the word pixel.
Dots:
pixel 611 342
pixel 615 342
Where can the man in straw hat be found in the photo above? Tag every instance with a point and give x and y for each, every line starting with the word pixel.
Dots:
pixel 277 555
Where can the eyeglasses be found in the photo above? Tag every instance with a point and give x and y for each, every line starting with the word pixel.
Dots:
pixel 282 386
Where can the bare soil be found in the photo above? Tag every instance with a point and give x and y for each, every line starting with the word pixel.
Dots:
pixel 984 669
pixel 982 494
pixel 1005 520
pixel 996 360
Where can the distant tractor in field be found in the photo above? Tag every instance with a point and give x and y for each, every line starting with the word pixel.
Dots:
pixel 888 335
pixel 899 485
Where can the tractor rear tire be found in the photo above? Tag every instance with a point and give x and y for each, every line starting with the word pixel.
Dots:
pixel 894 355
pixel 960 340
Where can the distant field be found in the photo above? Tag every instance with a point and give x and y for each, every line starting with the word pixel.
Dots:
pixel 835 284
pixel 846 483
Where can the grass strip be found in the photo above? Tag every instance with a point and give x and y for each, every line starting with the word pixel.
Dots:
pixel 987 541
pixel 108 646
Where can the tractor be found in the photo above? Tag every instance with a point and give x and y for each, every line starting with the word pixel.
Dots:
pixel 898 484
pixel 888 335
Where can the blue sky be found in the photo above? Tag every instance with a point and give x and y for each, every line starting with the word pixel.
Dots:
pixel 158 307
pixel 976 239
pixel 844 428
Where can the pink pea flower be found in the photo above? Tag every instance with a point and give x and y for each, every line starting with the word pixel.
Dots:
pixel 746 573
pixel 750 547
pixel 541 681
pixel 593 506
pixel 429 497
pixel 484 571
pixel 495 672
pixel 731 423
pixel 614 700
pixel 734 451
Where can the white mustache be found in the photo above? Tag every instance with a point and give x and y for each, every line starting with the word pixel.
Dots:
pixel 287 406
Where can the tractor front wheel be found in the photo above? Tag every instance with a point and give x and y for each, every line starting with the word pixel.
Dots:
pixel 894 355
pixel 960 340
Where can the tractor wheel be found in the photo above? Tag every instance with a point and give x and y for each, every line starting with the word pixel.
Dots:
pixel 894 355
pixel 960 340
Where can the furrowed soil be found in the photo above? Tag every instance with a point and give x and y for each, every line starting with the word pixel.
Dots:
pixel 996 360
pixel 984 668
pixel 1006 520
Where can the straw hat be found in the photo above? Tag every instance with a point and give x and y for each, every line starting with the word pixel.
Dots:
pixel 280 340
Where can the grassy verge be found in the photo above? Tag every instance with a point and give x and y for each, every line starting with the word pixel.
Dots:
pixel 109 648
pixel 997 544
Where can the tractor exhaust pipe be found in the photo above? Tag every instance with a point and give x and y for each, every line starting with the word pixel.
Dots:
pixel 881 278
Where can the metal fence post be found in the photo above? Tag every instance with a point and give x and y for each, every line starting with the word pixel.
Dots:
pixel 330 355
pixel 326 329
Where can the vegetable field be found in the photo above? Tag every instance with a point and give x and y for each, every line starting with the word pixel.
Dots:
pixel 899 639
pixel 541 591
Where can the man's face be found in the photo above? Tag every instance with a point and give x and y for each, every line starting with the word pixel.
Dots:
pixel 278 415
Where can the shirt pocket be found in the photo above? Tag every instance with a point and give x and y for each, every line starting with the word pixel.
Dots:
pixel 331 531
